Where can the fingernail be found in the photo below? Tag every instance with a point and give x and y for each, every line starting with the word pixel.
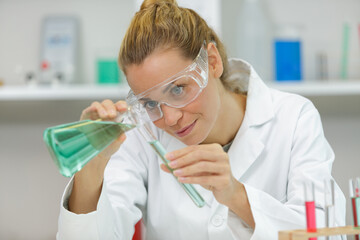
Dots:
pixel 182 179
pixel 169 156
pixel 173 164
pixel 178 172
pixel 122 105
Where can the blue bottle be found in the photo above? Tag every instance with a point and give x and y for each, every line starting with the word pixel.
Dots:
pixel 287 53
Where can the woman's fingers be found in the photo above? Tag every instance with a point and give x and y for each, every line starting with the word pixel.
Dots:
pixel 88 113
pixel 121 106
pixel 164 168
pixel 198 155
pixel 99 110
pixel 217 182
pixel 184 151
pixel 110 108
pixel 106 110
pixel 202 168
pixel 207 165
pixel 201 160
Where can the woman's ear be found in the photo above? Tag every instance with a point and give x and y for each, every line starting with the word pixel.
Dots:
pixel 216 67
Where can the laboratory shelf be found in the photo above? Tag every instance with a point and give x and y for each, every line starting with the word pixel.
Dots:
pixel 99 92
pixel 320 88
pixel 63 92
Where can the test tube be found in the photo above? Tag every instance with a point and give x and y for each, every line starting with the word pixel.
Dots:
pixel 309 191
pixel 354 187
pixel 140 117
pixel 329 200
pixel 160 150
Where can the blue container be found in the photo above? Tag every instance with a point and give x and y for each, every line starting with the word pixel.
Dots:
pixel 287 60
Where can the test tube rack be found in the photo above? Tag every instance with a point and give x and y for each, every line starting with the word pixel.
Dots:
pixel 302 234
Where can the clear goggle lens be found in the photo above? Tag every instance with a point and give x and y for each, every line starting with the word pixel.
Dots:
pixel 177 91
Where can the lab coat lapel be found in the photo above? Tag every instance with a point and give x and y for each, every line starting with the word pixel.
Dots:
pixel 247 145
pixel 259 104
pixel 245 149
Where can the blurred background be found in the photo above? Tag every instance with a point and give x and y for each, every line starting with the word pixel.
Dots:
pixel 56 57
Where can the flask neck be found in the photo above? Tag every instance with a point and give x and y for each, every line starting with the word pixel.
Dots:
pixel 137 116
pixel 127 117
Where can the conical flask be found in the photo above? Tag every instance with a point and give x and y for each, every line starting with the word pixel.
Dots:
pixel 73 145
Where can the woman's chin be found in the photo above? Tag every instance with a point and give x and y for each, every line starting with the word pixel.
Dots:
pixel 192 140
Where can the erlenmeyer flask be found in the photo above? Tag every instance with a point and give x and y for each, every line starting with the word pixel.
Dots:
pixel 72 145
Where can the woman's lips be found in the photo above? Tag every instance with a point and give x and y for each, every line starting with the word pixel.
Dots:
pixel 186 130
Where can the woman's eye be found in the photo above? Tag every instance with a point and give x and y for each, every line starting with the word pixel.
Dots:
pixel 150 104
pixel 177 90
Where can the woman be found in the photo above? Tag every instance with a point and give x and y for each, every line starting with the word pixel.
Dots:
pixel 247 149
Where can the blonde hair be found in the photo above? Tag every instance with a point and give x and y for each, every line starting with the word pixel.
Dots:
pixel 163 24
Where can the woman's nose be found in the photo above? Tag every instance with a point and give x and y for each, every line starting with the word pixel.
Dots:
pixel 171 115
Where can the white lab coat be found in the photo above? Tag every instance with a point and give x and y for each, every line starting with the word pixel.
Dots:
pixel 279 146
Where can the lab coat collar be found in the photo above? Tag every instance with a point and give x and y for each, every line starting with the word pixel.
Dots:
pixel 247 146
pixel 259 106
pixel 244 151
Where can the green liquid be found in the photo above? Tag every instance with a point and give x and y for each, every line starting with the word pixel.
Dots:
pixel 72 145
pixel 189 189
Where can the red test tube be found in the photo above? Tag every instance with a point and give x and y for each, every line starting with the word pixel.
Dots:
pixel 309 191
pixel 354 187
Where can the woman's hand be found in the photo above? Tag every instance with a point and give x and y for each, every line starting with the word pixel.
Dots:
pixel 106 111
pixel 88 181
pixel 207 165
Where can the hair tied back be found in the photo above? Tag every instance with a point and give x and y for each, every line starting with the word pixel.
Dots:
pixel 149 3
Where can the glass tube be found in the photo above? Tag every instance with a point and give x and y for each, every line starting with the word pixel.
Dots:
pixel 329 198
pixel 354 187
pixel 309 192
pixel 329 201
pixel 160 150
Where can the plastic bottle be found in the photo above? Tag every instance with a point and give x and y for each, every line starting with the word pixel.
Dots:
pixel 254 37
pixel 288 57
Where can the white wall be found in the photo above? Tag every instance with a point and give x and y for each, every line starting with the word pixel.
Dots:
pixel 102 26
pixel 30 186
pixel 321 23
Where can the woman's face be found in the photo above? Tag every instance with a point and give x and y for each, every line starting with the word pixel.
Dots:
pixel 190 124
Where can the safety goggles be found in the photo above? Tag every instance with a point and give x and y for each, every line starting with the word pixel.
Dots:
pixel 176 91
